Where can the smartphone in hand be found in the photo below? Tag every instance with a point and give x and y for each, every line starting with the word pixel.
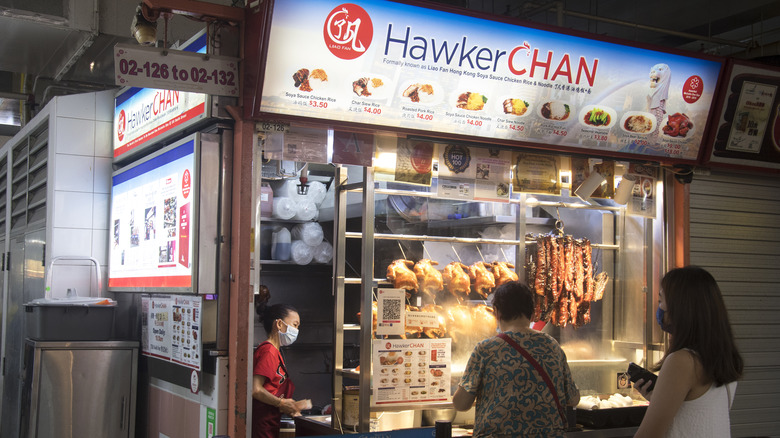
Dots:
pixel 635 372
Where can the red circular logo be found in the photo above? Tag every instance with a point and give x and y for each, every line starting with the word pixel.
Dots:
pixel 348 31
pixel 121 125
pixel 186 183
pixel 692 89
pixel 388 345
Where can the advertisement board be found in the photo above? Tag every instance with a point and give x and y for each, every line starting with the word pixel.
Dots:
pixel 171 329
pixel 146 115
pixel 395 65
pixel 747 133
pixel 153 205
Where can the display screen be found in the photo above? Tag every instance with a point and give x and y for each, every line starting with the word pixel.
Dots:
pixel 153 205
pixel 146 115
pixel 390 64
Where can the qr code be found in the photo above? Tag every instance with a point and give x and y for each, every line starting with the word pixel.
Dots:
pixel 391 310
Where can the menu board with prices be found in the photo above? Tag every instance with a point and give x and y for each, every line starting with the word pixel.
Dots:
pixel 389 64
pixel 170 329
pixel 411 371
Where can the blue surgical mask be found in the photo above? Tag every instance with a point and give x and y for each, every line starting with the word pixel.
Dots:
pixel 659 317
pixel 288 337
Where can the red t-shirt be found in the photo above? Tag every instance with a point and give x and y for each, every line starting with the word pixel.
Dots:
pixel 268 362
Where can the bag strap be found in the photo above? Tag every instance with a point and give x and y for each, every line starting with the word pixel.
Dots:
pixel 540 370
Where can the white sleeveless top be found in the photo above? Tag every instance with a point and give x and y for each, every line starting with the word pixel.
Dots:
pixel 706 416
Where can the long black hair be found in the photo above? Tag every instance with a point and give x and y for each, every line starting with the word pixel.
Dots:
pixel 699 321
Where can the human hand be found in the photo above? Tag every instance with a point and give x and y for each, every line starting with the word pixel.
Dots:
pixel 643 386
pixel 287 406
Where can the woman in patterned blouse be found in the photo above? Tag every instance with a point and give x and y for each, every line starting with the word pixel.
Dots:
pixel 512 397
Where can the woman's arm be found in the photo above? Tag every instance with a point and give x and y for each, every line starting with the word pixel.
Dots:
pixel 676 379
pixel 259 393
pixel 463 400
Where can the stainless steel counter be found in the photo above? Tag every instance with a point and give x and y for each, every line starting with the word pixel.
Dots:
pixel 320 425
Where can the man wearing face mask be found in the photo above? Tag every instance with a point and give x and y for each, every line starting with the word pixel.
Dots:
pixel 272 389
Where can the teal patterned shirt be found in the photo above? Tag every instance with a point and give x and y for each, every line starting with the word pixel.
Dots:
pixel 512 399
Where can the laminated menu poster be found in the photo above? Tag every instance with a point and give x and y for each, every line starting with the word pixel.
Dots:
pixel 170 329
pixel 152 221
pixel 390 64
pixel 748 130
pixel 411 371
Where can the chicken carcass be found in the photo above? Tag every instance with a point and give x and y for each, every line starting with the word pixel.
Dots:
pixel 429 279
pixel 457 280
pixel 504 272
pixel 484 280
pixel 401 275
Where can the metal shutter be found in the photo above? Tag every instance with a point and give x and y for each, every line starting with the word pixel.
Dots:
pixel 735 234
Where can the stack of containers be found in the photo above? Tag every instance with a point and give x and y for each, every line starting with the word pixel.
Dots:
pixel 307 238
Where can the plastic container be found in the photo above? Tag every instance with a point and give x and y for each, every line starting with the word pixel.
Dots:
pixel 323 253
pixel 266 200
pixel 281 243
pixel 71 318
pixel 310 233
pixel 301 253
pixel 284 208
pixel 306 209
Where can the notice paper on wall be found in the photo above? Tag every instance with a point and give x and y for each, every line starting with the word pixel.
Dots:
pixel 406 371
pixel 170 329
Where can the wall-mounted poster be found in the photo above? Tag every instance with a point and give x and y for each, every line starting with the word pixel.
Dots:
pixel 391 64
pixel 411 370
pixel 152 216
pixel 748 129
pixel 171 328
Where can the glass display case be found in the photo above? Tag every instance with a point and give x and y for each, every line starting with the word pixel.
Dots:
pixel 378 221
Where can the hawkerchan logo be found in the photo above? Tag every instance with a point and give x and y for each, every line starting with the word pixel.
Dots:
pixel 121 125
pixel 348 31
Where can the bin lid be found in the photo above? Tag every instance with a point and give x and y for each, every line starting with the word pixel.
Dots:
pixel 73 301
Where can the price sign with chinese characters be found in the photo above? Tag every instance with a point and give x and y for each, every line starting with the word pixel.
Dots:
pixel 151 67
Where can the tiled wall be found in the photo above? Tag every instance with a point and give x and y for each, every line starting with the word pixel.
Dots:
pixel 82 154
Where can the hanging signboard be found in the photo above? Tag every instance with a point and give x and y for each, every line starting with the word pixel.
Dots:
pixel 146 115
pixel 140 66
pixel 748 128
pixel 390 64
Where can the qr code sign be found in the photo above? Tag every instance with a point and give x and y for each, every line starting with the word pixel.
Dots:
pixel 391 311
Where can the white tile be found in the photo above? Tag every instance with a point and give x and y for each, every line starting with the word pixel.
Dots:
pixel 80 106
pixel 101 211
pixel 74 173
pixel 75 136
pixel 102 175
pixel 103 139
pixel 104 105
pixel 72 209
pixel 70 241
pixel 100 246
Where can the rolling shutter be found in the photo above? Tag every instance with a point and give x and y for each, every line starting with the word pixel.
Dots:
pixel 735 234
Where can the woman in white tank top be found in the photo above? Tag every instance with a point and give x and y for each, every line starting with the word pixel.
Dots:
pixel 697 381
